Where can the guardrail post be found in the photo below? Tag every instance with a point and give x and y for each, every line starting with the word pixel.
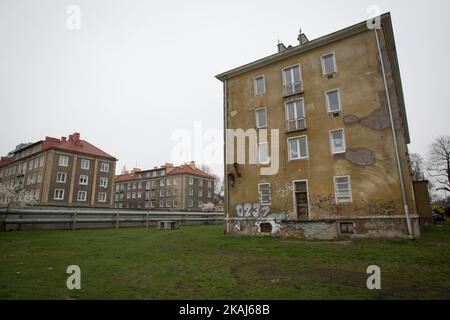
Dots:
pixel 117 220
pixel 147 220
pixel 74 220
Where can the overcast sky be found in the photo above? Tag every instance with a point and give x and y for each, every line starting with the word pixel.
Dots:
pixel 137 71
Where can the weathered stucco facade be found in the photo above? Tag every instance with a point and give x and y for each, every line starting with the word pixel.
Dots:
pixel 376 205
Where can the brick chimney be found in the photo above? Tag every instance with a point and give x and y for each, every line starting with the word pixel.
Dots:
pixel 63 139
pixel 76 137
pixel 192 165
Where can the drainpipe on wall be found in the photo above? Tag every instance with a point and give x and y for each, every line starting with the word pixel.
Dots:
pixel 225 176
pixel 394 138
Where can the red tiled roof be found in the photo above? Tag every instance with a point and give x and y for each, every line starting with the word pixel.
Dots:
pixel 81 146
pixel 72 144
pixel 5 161
pixel 189 169
pixel 124 177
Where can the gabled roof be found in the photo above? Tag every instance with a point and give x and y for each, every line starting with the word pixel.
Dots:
pixel 81 146
pixel 4 161
pixel 191 170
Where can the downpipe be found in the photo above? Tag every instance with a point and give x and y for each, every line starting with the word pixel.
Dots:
pixel 394 138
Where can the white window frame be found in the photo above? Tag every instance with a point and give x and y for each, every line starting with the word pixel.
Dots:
pixel 191 192
pixel 103 182
pixel 289 148
pixel 260 196
pixel 259 153
pixel 104 167
pixel 323 63
pixel 84 177
pixel 349 189
pixel 63 174
pixel 175 203
pixel 191 181
pixel 258 125
pixel 333 151
pixel 328 102
pixel 57 192
pixel 284 79
pixel 255 86
pixel 168 203
pixel 82 199
pixel 83 163
pixel 61 163
pixel 190 203
pixel 295 111
pixel 162 193
pixel 100 194
pixel 161 202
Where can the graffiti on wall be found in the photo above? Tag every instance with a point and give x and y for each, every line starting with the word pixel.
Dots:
pixel 255 210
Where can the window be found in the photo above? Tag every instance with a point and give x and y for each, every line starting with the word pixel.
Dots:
pixel 209 194
pixel 104 167
pixel 190 203
pixel 328 64
pixel 85 164
pixel 337 141
pixel 134 185
pixel 200 193
pixel 261 119
pixel 61 177
pixel 36 164
pixel 103 182
pixel 139 195
pixel 128 195
pixel 347 227
pixel 133 195
pixel 129 186
pixel 209 184
pixel 169 182
pixel 82 196
pixel 333 101
pixel 200 203
pixel 147 185
pixel 63 161
pixel 264 193
pixel 152 204
pixel 39 178
pixel 139 185
pixel 168 203
pixel 200 182
pixel 37 194
pixel 153 184
pixel 263 153
pixel 259 86
pixel 147 204
pixel 84 180
pixel 175 182
pixel 292 80
pixel 161 204
pixel 298 148
pixel 59 194
pixel 191 192
pixel 118 187
pixel 162 193
pixel 102 197
pixel 175 203
pixel 147 194
pixel 191 181
pixel 41 162
pixel 162 182
pixel 295 115
pixel 168 193
pixel 342 189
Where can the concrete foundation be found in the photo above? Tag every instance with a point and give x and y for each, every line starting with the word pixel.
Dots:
pixel 326 229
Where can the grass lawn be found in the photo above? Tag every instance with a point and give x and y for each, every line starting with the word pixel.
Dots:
pixel 199 262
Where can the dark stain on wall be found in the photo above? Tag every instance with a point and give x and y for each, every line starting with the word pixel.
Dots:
pixel 360 157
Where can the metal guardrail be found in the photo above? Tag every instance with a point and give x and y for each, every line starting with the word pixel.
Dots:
pixel 79 218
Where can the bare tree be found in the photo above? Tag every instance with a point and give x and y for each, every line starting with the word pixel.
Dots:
pixel 439 163
pixel 417 163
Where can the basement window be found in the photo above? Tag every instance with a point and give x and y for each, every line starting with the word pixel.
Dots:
pixel 347 228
